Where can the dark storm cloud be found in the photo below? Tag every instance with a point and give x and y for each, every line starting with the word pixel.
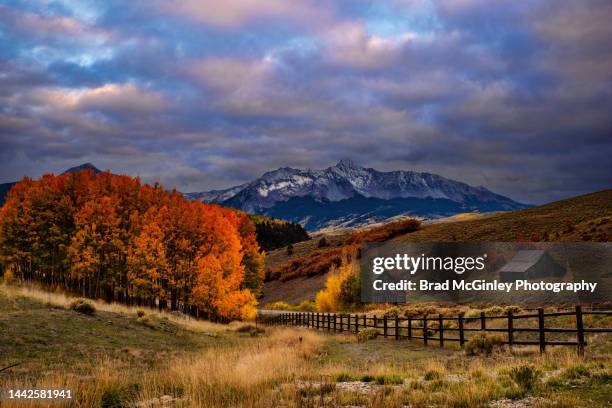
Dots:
pixel 511 95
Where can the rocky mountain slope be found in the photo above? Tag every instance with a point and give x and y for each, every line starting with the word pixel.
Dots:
pixel 350 195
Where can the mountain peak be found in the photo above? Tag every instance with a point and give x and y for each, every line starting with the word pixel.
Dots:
pixel 84 166
pixel 348 194
pixel 347 163
pixel 280 173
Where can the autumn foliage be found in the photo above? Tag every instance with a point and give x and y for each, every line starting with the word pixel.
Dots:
pixel 111 237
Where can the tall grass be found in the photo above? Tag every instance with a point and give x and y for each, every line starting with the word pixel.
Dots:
pixel 60 299
pixel 297 368
pixel 217 377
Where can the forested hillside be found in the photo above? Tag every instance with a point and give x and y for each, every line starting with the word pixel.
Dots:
pixel 111 237
pixel 274 233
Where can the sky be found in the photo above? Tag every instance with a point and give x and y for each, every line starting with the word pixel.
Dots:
pixel 200 95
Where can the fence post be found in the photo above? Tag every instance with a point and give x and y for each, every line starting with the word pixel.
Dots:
pixel 348 329
pixel 397 334
pixel 385 326
pixel 425 329
pixel 365 322
pixel 483 321
pixel 461 333
pixel 356 324
pixel 375 325
pixel 541 328
pixel 409 328
pixel 441 324
pixel 335 318
pixel 510 329
pixel 580 330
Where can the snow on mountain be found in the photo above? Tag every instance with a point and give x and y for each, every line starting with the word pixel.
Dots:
pixel 349 181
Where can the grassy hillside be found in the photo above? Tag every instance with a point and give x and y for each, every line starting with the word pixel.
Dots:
pixel 113 358
pixel 40 332
pixel 583 218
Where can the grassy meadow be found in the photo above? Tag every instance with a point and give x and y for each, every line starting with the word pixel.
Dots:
pixel 129 357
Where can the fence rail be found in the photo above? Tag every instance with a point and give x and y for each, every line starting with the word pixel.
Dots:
pixel 443 329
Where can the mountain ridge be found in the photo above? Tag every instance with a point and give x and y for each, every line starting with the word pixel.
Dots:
pixel 382 194
pixel 6 187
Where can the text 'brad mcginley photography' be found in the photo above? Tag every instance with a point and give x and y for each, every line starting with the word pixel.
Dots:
pixel 493 271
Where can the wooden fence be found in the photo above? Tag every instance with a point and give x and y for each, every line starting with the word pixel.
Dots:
pixel 443 329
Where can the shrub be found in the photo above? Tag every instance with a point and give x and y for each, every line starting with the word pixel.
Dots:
pixel 419 310
pixel 252 330
pixel 83 306
pixel 119 396
pixel 367 334
pixel 575 372
pixel 148 322
pixel 526 377
pixel 316 263
pixel 483 343
pixel 393 312
pixel 344 377
pixel 385 232
pixel 494 311
pixel 393 379
pixel 513 309
pixel 278 306
pixel 290 249
pixel 431 375
pixel 305 306
pixel 322 243
pixel 9 276
pixel 330 299
pixel 367 378
pixel 140 313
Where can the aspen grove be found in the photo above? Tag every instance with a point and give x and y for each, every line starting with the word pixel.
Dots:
pixel 112 237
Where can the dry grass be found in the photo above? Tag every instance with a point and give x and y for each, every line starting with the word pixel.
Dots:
pixel 62 300
pixel 583 218
pixel 300 368
pixel 217 377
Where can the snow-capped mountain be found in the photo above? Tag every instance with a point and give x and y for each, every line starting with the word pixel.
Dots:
pixel 350 195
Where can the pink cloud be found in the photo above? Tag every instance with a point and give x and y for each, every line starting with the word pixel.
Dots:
pixel 349 44
pixel 233 13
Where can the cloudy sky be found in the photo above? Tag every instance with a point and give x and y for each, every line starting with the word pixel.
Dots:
pixel 513 95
